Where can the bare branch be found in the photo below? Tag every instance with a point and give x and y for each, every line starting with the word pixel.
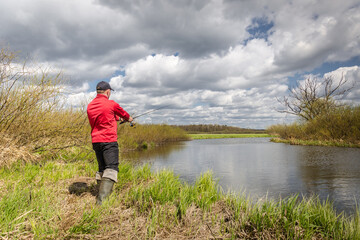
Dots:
pixel 311 97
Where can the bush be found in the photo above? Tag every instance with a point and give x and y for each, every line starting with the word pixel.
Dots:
pixel 32 117
pixel 341 124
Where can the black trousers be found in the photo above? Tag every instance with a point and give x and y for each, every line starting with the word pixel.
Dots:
pixel 107 155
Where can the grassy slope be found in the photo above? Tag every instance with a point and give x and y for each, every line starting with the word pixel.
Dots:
pixel 211 136
pixel 35 203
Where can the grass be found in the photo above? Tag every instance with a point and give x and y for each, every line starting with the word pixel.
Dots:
pixel 213 136
pixel 35 203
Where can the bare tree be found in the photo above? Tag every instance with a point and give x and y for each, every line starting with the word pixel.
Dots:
pixel 313 97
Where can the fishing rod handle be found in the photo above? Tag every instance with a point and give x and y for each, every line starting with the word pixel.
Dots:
pixel 131 123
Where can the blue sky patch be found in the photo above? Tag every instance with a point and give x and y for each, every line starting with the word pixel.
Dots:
pixel 324 68
pixel 259 28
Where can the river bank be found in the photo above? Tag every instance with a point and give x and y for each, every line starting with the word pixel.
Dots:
pixel 333 143
pixel 35 203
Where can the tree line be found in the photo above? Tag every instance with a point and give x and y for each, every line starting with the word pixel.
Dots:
pixel 217 129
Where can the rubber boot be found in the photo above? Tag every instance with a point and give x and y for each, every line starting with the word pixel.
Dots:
pixel 98 177
pixel 98 182
pixel 105 190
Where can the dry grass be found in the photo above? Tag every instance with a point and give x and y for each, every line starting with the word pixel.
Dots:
pixel 124 222
pixel 11 153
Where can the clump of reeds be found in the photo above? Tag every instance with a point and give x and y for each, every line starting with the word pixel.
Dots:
pixel 339 127
pixel 144 136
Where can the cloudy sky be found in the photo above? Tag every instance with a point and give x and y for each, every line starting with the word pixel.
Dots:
pixel 214 62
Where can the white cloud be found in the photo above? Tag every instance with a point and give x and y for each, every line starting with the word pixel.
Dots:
pixel 352 76
pixel 307 33
pixel 240 67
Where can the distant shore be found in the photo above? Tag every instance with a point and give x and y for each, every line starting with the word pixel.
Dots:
pixel 229 135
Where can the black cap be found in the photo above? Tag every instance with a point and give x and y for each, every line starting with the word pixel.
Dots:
pixel 103 86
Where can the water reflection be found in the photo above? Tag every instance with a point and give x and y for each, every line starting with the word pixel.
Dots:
pixel 164 151
pixel 258 167
pixel 331 172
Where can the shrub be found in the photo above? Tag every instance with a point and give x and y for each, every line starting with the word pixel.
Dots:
pixel 340 124
pixel 32 117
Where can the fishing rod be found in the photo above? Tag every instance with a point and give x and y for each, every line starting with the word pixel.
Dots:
pixel 145 113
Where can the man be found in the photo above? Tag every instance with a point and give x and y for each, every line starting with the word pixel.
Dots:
pixel 103 114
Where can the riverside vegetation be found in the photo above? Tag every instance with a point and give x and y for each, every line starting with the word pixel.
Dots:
pixel 337 127
pixel 323 118
pixel 45 150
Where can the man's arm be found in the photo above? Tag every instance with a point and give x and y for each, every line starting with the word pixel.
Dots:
pixel 119 111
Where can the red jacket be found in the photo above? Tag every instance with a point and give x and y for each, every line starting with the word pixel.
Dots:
pixel 103 114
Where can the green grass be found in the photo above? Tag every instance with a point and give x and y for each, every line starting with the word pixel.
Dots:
pixel 35 203
pixel 213 136
pixel 30 199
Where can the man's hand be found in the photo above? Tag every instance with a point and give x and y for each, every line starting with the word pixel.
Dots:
pixel 129 120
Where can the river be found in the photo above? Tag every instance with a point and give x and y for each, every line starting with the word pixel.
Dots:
pixel 260 168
